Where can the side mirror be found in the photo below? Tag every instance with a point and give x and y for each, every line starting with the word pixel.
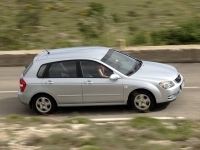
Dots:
pixel 114 77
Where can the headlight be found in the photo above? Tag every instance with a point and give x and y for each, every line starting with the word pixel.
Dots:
pixel 167 84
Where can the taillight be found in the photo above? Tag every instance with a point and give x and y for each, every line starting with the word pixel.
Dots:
pixel 22 85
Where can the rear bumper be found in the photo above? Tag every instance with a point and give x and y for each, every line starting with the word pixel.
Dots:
pixel 23 98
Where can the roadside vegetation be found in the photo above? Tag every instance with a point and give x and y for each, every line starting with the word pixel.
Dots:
pixel 140 133
pixel 28 24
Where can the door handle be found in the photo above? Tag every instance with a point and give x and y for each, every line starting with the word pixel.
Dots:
pixel 49 82
pixel 88 82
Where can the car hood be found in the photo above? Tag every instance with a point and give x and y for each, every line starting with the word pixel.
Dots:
pixel 152 70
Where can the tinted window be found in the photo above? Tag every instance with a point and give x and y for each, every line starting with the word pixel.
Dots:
pixel 41 70
pixel 63 70
pixel 92 69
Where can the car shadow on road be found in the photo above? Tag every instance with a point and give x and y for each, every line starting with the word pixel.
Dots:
pixel 160 107
pixel 103 110
pixel 94 110
pixel 13 106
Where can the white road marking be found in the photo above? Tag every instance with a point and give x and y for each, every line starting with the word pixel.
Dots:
pixel 8 91
pixel 110 119
pixel 192 87
pixel 126 119
pixel 168 118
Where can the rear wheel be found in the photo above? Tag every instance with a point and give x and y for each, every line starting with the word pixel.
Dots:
pixel 142 100
pixel 44 104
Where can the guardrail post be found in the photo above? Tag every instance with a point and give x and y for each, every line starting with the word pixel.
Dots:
pixel 121 43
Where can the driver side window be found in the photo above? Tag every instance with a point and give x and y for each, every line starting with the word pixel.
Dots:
pixel 91 69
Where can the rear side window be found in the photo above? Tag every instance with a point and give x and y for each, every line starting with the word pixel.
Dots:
pixel 65 69
pixel 27 68
pixel 41 71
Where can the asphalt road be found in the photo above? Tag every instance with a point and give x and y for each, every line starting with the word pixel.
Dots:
pixel 187 104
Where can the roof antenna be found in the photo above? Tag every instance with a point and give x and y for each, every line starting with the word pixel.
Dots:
pixel 46 50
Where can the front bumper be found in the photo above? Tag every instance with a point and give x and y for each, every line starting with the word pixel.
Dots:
pixel 175 95
pixel 172 93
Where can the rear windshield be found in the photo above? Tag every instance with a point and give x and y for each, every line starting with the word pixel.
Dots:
pixel 27 68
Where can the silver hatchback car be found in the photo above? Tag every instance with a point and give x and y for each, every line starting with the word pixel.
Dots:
pixel 93 76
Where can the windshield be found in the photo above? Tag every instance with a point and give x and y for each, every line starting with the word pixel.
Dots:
pixel 121 62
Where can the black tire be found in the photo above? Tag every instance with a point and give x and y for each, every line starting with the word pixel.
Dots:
pixel 142 100
pixel 44 104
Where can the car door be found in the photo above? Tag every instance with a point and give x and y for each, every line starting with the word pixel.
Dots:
pixel 96 85
pixel 63 83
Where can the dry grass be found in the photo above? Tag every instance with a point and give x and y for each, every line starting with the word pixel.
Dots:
pixel 27 121
pixel 141 133
pixel 78 121
pixel 58 25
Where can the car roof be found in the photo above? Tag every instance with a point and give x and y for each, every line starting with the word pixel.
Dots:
pixel 96 52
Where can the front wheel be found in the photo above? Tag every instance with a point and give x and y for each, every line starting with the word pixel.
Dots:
pixel 142 100
pixel 44 104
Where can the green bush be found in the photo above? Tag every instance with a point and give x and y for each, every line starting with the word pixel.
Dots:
pixel 182 131
pixel 93 25
pixel 139 38
pixel 28 19
pixel 145 122
pixel 88 30
pixel 186 33
pixel 132 14
pixel 91 148
pixel 132 29
pixel 15 117
pixel 90 141
pixel 56 139
pixel 8 40
pixel 95 8
pixel 116 18
pixel 29 15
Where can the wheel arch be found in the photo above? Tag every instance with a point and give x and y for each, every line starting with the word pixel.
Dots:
pixel 31 101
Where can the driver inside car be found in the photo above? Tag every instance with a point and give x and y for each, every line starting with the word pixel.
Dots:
pixel 102 71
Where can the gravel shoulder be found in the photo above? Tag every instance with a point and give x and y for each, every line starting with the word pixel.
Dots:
pixel 141 133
